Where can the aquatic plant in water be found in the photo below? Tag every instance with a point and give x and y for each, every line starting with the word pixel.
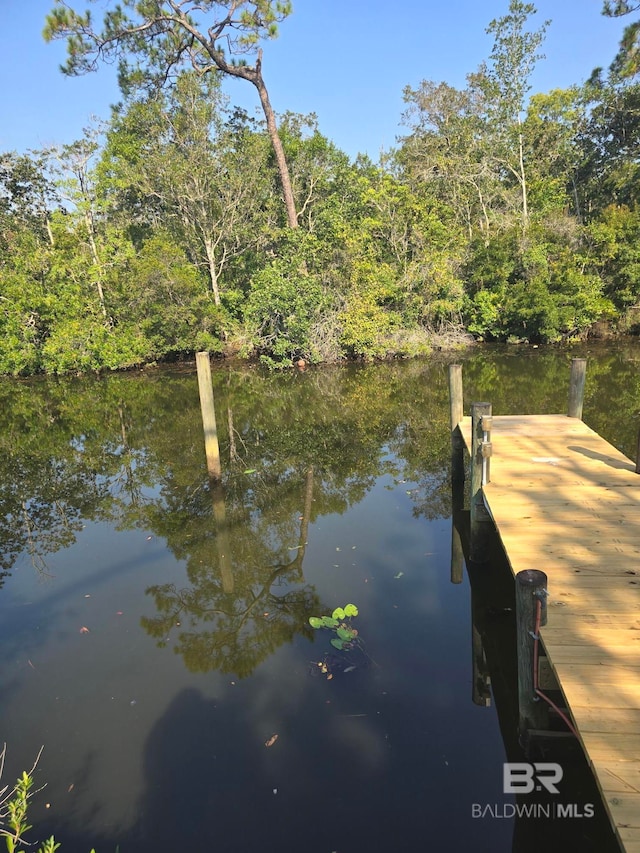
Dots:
pixel 340 623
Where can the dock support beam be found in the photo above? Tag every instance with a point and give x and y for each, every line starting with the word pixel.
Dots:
pixel 205 387
pixel 480 519
pixel 576 387
pixel 531 589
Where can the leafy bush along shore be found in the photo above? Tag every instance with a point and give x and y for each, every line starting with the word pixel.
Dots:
pixel 183 224
pixel 14 807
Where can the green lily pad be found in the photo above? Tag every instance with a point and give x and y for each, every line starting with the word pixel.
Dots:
pixel 339 644
pixel 316 622
pixel 344 633
pixel 338 613
pixel 329 622
pixel 350 610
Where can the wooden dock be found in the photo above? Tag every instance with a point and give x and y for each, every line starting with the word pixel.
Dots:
pixel 566 502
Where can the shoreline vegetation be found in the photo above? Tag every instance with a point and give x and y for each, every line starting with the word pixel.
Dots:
pixel 442 344
pixel 183 224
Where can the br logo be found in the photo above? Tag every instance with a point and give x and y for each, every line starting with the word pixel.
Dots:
pixel 523 778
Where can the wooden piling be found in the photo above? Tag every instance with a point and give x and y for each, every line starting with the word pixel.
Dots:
pixel 576 387
pixel 531 588
pixel 205 387
pixel 456 407
pixel 456 413
pixel 479 465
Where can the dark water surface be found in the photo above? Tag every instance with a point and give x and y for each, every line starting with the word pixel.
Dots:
pixel 155 631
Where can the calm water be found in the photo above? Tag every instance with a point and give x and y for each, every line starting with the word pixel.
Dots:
pixel 155 632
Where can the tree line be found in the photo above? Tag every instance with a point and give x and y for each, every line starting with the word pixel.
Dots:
pixel 182 223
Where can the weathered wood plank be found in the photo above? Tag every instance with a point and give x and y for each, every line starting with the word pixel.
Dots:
pixel 618 775
pixel 616 720
pixel 603 746
pixel 600 696
pixel 614 578
pixel 625 808
pixel 597 673
pixel 581 653
pixel 629 838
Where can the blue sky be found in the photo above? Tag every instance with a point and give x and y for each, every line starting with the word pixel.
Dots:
pixel 346 61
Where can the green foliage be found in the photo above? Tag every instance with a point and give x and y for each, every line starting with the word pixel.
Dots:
pixel 627 61
pixel 13 813
pixel 164 232
pixel 340 624
pixel 16 812
pixel 547 293
pixel 165 302
pixel 153 41
pixel 286 302
pixel 617 244
pixel 166 33
pixel 369 319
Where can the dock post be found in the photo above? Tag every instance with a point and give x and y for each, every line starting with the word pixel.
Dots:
pixel 456 411
pixel 480 419
pixel 576 387
pixel 205 387
pixel 531 588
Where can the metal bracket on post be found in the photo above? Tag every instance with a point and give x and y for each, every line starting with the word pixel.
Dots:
pixel 531 587
pixel 486 448
pixel 480 453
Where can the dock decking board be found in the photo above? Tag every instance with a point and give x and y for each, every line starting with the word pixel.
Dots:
pixel 565 501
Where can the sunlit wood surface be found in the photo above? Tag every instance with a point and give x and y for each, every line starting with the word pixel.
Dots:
pixel 565 501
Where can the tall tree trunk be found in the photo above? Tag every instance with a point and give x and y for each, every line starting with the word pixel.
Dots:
pixel 523 182
pixel 254 75
pixel 213 272
pixel 576 199
pixel 276 142
pixel 47 223
pixel 96 261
